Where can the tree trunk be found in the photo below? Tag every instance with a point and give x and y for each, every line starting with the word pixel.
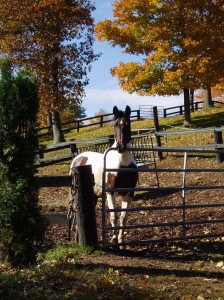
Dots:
pixel 192 100
pixel 57 131
pixel 208 98
pixel 49 122
pixel 187 112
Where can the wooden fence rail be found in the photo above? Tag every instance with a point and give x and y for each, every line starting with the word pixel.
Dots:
pixel 74 147
pixel 142 139
pixel 179 110
pixel 144 111
pixel 86 122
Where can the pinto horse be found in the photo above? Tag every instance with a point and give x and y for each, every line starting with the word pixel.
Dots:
pixel 115 159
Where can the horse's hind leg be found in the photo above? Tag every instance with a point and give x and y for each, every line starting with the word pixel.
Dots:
pixel 126 201
pixel 113 218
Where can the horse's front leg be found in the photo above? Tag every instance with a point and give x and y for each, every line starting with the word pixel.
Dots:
pixel 126 201
pixel 113 219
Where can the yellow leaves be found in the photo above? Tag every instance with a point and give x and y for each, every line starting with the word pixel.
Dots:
pixel 111 271
pixel 176 40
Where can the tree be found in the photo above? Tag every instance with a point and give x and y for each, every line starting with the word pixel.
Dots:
pixel 216 93
pixel 175 39
pixel 54 39
pixel 21 225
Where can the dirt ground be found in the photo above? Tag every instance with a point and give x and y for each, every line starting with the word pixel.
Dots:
pixel 195 266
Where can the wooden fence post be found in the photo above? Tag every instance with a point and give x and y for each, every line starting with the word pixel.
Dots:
pixel 41 152
pixel 101 121
pixel 78 125
pixel 85 215
pixel 156 125
pixel 73 148
pixel 181 110
pixel 138 114
pixel 218 140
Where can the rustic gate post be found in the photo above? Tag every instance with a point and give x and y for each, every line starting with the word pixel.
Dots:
pixel 85 214
pixel 218 140
pixel 156 125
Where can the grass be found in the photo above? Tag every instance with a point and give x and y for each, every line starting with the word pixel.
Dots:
pixel 70 250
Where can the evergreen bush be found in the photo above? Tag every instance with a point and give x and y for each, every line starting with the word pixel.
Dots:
pixel 21 225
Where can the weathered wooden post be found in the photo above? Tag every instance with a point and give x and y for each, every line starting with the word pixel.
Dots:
pixel 101 121
pixel 181 110
pixel 156 125
pixel 73 148
pixel 41 152
pixel 85 212
pixel 138 114
pixel 218 140
pixel 78 125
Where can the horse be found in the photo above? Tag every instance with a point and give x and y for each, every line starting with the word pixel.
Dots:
pixel 114 159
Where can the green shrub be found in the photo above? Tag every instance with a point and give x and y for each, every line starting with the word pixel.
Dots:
pixel 21 225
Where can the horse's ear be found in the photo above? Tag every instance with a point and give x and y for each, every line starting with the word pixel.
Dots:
pixel 115 110
pixel 128 111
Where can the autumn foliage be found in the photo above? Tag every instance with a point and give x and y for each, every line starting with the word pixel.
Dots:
pixel 181 43
pixel 54 39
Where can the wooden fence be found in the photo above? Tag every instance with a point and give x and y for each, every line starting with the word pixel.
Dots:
pixel 144 111
pixel 51 154
pixel 86 122
pixel 218 140
pixel 179 110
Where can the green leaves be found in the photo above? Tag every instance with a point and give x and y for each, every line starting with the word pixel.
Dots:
pixel 21 226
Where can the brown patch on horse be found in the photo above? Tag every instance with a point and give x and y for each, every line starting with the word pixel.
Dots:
pixel 80 161
pixel 110 180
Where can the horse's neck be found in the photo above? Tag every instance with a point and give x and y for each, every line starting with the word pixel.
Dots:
pixel 124 158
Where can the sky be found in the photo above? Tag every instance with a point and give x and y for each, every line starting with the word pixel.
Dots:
pixel 103 91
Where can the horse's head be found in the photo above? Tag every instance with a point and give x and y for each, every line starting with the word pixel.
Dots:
pixel 122 128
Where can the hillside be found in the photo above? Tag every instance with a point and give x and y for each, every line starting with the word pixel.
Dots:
pixel 200 119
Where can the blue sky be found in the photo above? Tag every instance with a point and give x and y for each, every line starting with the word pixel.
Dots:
pixel 103 91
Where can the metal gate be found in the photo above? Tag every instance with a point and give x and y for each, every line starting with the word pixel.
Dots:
pixel 193 209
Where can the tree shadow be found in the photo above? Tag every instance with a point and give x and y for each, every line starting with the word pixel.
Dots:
pixel 191 253
pixel 155 194
pixel 179 251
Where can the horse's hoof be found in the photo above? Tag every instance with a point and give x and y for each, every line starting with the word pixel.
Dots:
pixel 122 247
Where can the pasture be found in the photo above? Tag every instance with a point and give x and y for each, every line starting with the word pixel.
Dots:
pixel 183 270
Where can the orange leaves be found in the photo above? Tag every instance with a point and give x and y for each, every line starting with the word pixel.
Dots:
pixel 54 39
pixel 182 43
